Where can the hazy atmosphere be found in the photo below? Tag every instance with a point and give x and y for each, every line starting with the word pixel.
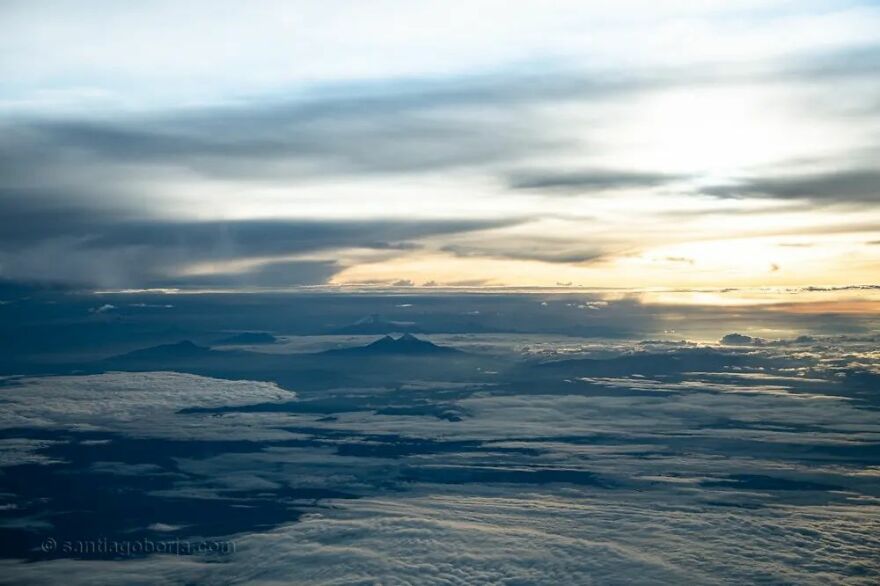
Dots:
pixel 558 292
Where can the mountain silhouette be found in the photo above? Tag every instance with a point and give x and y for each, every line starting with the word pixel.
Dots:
pixel 407 345
pixel 177 351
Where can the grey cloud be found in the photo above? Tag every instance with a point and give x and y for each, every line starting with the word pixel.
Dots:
pixel 408 128
pixel 274 274
pixel 404 126
pixel 461 283
pixel 99 252
pixel 34 215
pixel 84 190
pixel 741 340
pixel 539 249
pixel 589 180
pixel 720 209
pixel 845 186
pixel 266 237
pixel 824 66
pixel 814 289
pixel 80 189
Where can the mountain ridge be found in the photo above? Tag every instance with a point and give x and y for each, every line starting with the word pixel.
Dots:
pixel 407 344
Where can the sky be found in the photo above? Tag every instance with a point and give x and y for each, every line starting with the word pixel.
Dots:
pixel 698 147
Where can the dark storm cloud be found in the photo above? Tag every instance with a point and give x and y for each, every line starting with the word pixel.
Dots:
pixel 246 238
pixel 31 216
pixel 28 216
pixel 139 253
pixel 845 186
pixel 589 180
pixel 274 274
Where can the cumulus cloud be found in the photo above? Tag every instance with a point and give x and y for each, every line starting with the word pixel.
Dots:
pixel 741 340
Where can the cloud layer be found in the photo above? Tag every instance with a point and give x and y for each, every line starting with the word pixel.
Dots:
pixel 693 463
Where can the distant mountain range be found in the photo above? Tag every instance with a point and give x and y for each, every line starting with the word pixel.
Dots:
pixel 407 345
pixel 177 351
